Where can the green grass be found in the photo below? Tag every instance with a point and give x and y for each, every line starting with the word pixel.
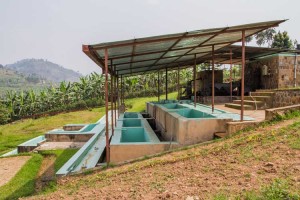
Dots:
pixel 18 132
pixel 139 104
pixel 62 156
pixel 23 184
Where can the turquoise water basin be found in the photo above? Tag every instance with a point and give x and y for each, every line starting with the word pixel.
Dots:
pixel 134 135
pixel 173 106
pixel 191 113
pixel 130 115
pixel 132 123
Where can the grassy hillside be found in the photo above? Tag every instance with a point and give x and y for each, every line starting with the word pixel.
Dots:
pixel 12 80
pixel 262 163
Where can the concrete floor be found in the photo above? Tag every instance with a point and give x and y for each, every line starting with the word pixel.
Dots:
pixel 258 115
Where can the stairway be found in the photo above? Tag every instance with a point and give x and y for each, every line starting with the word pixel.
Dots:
pixel 258 100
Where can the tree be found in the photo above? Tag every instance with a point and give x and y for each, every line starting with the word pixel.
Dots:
pixel 265 37
pixel 282 40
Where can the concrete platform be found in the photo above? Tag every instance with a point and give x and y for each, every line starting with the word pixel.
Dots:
pixel 258 115
pixel 59 145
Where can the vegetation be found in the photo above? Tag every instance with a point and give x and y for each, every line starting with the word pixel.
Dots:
pixel 20 131
pixel 62 156
pixel 282 40
pixel 23 184
pixel 274 39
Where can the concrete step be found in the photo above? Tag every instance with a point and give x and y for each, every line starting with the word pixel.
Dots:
pixel 220 134
pixel 249 102
pixel 261 93
pixel 258 98
pixel 238 106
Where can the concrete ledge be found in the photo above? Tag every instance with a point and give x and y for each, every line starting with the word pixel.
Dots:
pixel 233 127
pixel 68 137
pixel 272 113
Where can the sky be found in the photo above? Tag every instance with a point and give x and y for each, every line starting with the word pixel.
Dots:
pixel 56 29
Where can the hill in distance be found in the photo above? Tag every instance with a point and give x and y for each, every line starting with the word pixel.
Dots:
pixel 44 70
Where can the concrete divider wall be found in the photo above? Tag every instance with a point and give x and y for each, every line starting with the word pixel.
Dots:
pixel 121 152
pixel 76 137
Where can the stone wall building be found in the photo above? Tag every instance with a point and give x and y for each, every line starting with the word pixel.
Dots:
pixel 273 72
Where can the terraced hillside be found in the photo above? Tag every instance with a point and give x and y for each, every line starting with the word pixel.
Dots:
pixel 263 163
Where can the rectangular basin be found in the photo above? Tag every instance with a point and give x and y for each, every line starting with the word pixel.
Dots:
pixel 191 113
pixel 132 123
pixel 130 115
pixel 134 135
pixel 173 106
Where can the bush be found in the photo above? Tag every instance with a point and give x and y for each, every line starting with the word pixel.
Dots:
pixel 4 114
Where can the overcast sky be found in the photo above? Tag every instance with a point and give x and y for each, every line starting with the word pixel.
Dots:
pixel 56 29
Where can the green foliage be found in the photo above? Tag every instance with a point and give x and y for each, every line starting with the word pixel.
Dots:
pixel 4 114
pixel 265 37
pixel 62 156
pixel 278 190
pixel 282 40
pixel 23 184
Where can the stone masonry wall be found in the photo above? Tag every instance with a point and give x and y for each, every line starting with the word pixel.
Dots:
pixel 286 67
pixel 286 98
pixel 254 78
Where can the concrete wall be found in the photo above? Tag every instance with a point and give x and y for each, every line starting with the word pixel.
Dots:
pixel 122 152
pixel 187 131
pixel 68 137
pixel 272 113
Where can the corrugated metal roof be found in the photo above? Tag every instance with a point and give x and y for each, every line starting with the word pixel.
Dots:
pixel 169 51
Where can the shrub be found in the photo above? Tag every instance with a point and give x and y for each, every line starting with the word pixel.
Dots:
pixel 4 114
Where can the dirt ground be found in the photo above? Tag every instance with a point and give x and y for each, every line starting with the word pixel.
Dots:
pixel 10 166
pixel 242 163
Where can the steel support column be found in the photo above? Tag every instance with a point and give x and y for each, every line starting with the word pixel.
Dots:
pixel 158 87
pixel 166 83
pixel 295 71
pixel 178 83
pixel 194 72
pixel 106 109
pixel 115 96
pixel 230 76
pixel 242 75
pixel 213 79
pixel 118 98
pixel 112 98
pixel 121 89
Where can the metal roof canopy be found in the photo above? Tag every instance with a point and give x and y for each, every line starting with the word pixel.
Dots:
pixel 222 56
pixel 137 56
